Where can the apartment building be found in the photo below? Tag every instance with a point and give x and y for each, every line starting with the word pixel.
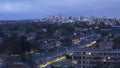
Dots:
pixel 96 58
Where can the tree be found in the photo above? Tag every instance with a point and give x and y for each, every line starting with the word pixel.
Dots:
pixel 25 45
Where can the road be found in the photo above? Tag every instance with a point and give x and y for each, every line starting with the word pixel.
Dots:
pixel 43 58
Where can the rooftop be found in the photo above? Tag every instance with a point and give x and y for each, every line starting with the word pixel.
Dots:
pixel 95 49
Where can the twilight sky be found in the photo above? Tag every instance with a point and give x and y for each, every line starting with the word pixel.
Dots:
pixel 27 9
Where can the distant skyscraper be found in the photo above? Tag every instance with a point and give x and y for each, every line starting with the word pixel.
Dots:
pixel 60 16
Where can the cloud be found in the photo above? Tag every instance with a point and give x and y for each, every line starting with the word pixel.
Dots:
pixel 14 7
pixel 32 6
pixel 65 7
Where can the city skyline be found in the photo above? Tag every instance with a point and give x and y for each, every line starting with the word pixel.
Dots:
pixel 29 9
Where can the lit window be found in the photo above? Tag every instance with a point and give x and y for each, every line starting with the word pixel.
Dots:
pixel 88 53
pixel 108 58
pixel 75 62
pixel 104 60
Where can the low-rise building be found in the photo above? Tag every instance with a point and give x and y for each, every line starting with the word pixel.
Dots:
pixel 105 45
pixel 18 65
pixel 116 31
pixel 50 45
